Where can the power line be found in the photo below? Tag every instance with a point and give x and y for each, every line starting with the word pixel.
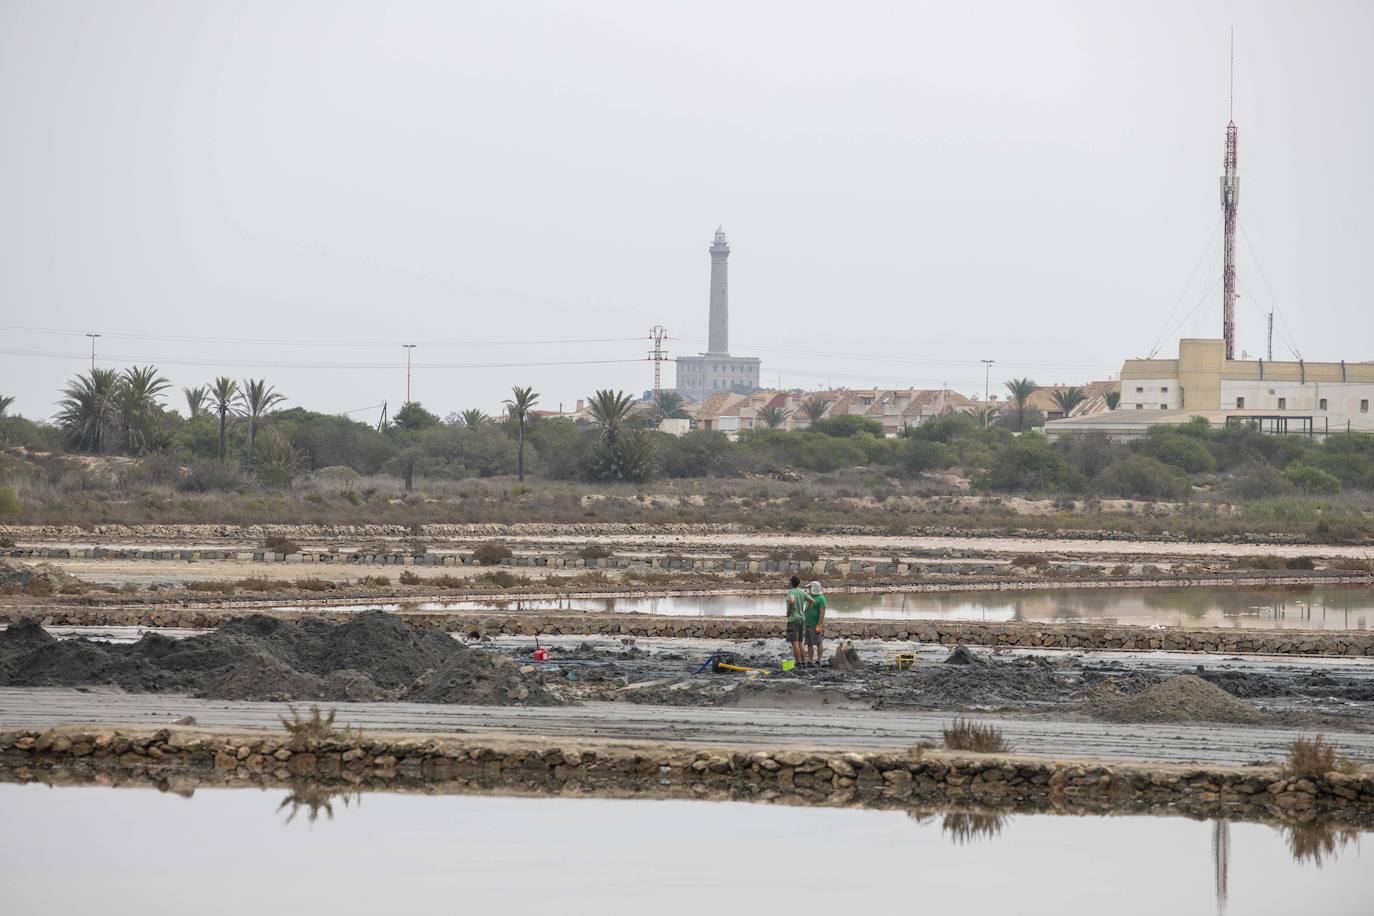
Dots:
pixel 279 364
pixel 873 357
pixel 295 342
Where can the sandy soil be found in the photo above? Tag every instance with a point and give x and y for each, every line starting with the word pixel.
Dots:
pixel 840 729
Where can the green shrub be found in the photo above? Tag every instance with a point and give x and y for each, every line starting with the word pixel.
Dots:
pixel 923 455
pixel 847 424
pixel 1310 479
pixel 699 453
pixel 9 501
pixel 1182 451
pixel 1143 477
pixel 1028 463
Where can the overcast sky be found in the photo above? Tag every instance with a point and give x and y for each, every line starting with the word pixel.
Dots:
pixel 908 188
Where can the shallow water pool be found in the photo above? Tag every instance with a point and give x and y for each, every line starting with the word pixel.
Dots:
pixel 75 850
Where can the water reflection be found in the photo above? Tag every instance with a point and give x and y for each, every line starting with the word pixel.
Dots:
pixel 1318 842
pixel 314 798
pixel 1302 607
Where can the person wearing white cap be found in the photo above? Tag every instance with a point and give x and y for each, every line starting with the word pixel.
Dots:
pixel 814 631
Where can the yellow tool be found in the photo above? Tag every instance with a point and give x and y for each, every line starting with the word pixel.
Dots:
pixel 902 661
pixel 728 667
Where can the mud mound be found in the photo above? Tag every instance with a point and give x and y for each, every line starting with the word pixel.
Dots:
pixel 475 677
pixel 38 579
pixel 374 657
pixel 260 676
pixel 1185 698
pixel 962 656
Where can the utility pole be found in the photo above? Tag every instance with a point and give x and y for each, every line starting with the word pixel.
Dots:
pixel 1230 197
pixel 657 334
pixel 987 391
pixel 1271 335
pixel 408 348
pixel 92 337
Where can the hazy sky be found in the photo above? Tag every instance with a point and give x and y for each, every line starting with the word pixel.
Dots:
pixel 908 188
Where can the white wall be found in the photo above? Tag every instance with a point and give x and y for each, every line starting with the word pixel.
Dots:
pixel 1154 395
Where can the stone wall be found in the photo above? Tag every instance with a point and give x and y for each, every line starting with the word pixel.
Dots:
pixel 1020 634
pixel 811 776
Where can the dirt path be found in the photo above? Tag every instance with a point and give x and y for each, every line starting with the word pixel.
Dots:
pixel 847 729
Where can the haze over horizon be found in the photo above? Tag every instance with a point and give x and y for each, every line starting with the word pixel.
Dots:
pixel 907 189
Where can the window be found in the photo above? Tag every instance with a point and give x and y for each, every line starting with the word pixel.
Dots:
pixel 1283 403
pixel 1321 405
pixel 1140 391
pixel 1140 407
pixel 1240 403
pixel 1164 390
pixel 1163 406
pixel 1364 406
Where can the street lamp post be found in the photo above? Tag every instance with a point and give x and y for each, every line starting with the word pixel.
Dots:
pixel 408 347
pixel 92 337
pixel 987 380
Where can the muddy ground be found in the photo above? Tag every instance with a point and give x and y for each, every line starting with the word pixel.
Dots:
pixel 378 657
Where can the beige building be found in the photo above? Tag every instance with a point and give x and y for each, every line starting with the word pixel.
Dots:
pixel 1274 396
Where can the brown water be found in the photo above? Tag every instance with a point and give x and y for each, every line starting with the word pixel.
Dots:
pixel 241 851
pixel 1295 607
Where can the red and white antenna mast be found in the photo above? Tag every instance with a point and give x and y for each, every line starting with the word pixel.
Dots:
pixel 1230 197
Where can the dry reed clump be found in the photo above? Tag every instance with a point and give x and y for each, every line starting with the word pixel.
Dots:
pixel 593 552
pixel 492 553
pixel 1310 758
pixel 373 580
pixel 316 729
pixel 410 578
pixel 500 578
pixel 964 735
pixel 278 544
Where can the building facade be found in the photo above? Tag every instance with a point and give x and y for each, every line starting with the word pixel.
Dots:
pixel 699 377
pixel 1274 395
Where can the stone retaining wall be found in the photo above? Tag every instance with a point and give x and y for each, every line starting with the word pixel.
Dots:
pixel 825 777
pixel 1022 634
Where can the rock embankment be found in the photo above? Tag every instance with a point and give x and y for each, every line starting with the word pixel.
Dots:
pixel 1022 634
pixel 806 776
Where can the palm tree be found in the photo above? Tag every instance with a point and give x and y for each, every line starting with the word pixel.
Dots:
pixel 137 399
pixel 87 413
pixel 1068 398
pixel 195 399
pixel 610 410
pixel 669 405
pixel 5 401
pixel 773 417
pixel 224 393
pixel 522 401
pixel 473 418
pixel 1021 389
pixel 255 400
pixel 815 407
pixel 1112 398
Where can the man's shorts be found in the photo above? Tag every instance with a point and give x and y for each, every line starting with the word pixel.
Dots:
pixel 812 637
pixel 794 630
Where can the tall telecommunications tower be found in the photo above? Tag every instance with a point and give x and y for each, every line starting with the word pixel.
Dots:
pixel 1230 196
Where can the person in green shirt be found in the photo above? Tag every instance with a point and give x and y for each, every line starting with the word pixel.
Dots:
pixel 814 629
pixel 797 600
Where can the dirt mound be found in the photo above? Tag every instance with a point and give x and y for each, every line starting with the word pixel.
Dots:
pixel 38 579
pixel 789 695
pixel 471 676
pixel 373 657
pixel 1185 698
pixel 962 656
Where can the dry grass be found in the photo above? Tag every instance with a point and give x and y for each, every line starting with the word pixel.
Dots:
pixel 278 544
pixel 963 735
pixel 1312 758
pixel 316 729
